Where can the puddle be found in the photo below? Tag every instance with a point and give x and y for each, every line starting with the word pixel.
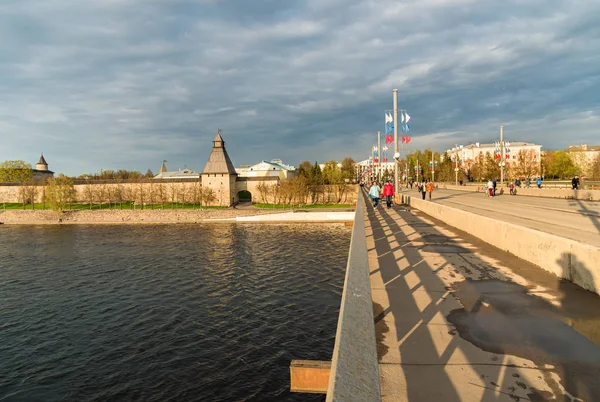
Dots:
pixel 500 317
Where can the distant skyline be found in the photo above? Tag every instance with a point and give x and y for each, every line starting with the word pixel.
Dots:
pixel 125 84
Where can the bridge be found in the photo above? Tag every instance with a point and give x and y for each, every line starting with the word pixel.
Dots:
pixel 467 298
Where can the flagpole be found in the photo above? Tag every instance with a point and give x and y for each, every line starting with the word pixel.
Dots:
pixel 379 153
pixel 395 97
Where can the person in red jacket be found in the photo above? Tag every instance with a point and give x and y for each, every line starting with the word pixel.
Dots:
pixel 388 193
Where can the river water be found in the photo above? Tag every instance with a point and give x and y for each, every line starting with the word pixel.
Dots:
pixel 166 312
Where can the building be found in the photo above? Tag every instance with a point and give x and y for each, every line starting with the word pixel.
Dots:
pixel 367 170
pixel 471 152
pixel 41 171
pixel 219 173
pixel 583 157
pixel 273 168
pixel 177 174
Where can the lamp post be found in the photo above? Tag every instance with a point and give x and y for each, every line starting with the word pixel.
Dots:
pixel 502 159
pixel 396 153
pixel 457 160
pixel 433 165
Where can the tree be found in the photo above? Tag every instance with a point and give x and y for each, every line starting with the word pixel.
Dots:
pixel 348 172
pixel 595 169
pixel 149 174
pixel 305 169
pixel 15 171
pixel 560 165
pixel 208 196
pixel 492 169
pixel 60 192
pixel 527 163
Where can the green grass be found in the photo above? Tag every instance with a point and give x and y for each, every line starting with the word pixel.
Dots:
pixel 125 206
pixel 309 206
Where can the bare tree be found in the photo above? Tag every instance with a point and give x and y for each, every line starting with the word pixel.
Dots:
pixel 527 163
pixel 208 196
pixel 161 192
pixel 172 190
pixel 89 193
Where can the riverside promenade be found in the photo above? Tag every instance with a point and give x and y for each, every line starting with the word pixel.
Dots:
pixel 459 320
pixel 574 219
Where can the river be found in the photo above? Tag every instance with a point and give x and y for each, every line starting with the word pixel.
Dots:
pixel 166 312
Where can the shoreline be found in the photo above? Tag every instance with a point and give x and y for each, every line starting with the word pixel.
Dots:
pixel 168 217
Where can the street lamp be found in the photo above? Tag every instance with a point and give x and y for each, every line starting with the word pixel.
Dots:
pixel 456 160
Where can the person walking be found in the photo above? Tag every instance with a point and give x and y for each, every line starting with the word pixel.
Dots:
pixel 421 188
pixel 374 193
pixel 429 188
pixel 528 182
pixel 490 188
pixel 388 193
pixel 539 182
pixel 512 188
pixel 575 183
pixel 494 183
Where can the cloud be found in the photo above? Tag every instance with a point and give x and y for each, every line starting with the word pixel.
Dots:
pixel 126 84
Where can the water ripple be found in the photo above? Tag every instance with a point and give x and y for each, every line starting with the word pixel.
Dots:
pixel 166 313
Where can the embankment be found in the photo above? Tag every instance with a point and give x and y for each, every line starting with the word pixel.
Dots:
pixel 19 217
pixel 565 258
pixel 115 216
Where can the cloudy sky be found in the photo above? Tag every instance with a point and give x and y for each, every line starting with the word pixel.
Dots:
pixel 127 83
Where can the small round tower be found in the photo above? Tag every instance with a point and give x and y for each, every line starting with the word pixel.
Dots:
pixel 42 165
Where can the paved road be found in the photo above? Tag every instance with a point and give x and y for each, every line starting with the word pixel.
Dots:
pixel 459 320
pixel 574 219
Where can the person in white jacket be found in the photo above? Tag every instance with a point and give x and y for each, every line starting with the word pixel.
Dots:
pixel 490 188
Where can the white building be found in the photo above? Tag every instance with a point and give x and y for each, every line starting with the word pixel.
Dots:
pixel 472 151
pixel 368 170
pixel 583 157
pixel 273 168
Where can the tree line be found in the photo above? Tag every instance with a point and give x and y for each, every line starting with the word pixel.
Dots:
pixel 312 185
pixel 553 165
pixel 59 194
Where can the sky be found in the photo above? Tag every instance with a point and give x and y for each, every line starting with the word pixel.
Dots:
pixel 126 84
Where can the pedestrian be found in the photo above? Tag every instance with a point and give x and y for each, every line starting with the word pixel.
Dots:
pixel 388 193
pixel 429 188
pixel 512 188
pixel 374 193
pixel 490 187
pixel 528 182
pixel 421 188
pixel 575 183
pixel 411 184
pixel 518 182
pixel 539 182
pixel 494 184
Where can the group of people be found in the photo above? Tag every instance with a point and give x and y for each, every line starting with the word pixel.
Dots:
pixel 490 187
pixel 376 192
pixel 425 187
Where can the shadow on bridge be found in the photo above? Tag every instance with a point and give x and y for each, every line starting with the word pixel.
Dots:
pixel 447 309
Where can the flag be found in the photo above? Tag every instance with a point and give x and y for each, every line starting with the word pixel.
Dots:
pixel 406 117
pixel 407 139
pixel 403 139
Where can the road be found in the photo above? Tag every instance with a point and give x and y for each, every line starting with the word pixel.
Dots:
pixel 573 219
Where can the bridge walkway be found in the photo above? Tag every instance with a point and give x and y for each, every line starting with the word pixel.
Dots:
pixel 574 219
pixel 459 320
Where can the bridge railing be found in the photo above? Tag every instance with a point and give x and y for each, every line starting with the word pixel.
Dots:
pixel 354 372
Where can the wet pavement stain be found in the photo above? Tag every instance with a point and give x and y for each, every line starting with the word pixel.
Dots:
pixel 445 249
pixel 501 317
